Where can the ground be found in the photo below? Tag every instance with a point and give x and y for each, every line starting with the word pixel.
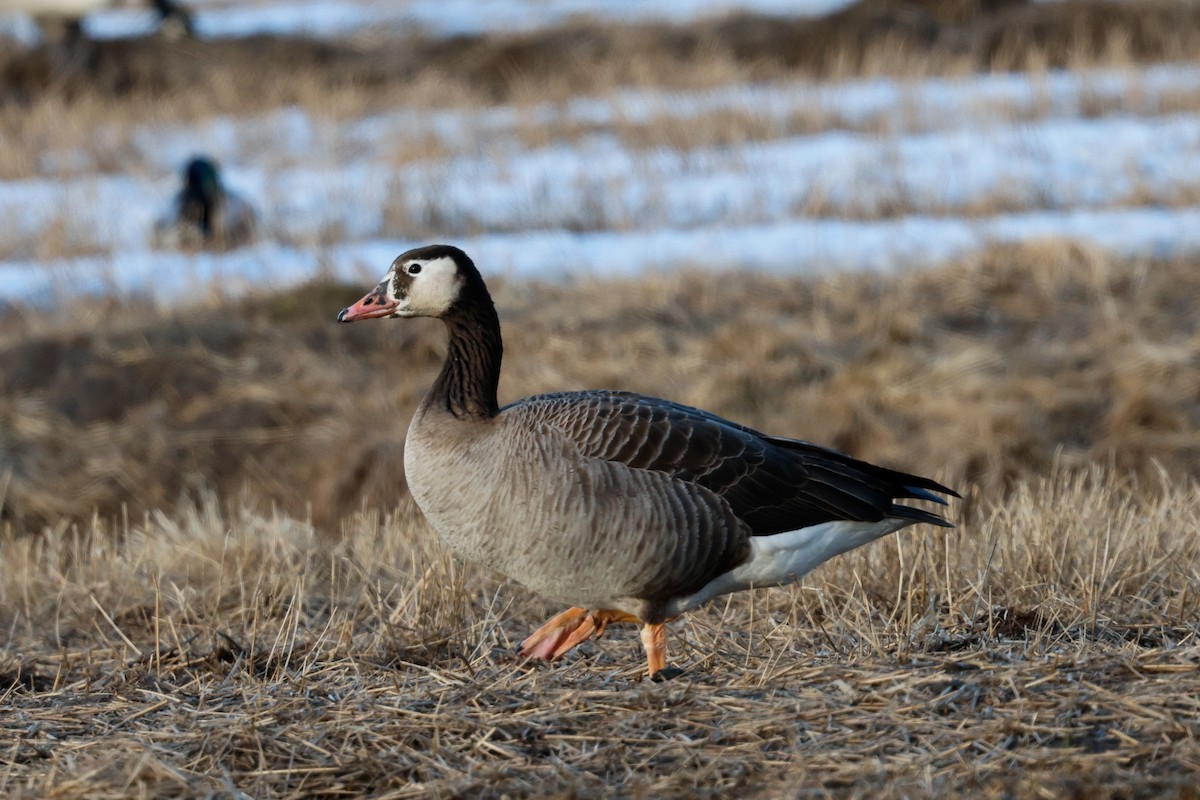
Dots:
pixel 214 584
pixel 1046 646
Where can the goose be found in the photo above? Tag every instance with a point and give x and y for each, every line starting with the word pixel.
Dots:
pixel 626 508
pixel 70 13
pixel 205 213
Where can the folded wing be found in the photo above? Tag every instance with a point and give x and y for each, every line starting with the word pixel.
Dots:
pixel 772 484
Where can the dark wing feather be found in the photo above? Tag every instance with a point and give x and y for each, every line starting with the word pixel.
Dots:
pixel 773 484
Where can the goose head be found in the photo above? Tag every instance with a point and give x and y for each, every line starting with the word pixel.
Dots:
pixel 201 178
pixel 201 194
pixel 426 282
pixel 176 22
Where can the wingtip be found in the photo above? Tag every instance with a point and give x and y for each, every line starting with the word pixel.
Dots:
pixel 920 515
pixel 918 493
pixel 926 492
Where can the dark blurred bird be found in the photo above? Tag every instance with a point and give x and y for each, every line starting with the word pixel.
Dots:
pixel 175 19
pixel 67 15
pixel 205 213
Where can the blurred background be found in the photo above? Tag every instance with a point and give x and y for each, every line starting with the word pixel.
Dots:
pixel 954 236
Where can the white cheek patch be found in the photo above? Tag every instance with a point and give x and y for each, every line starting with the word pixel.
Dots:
pixel 435 288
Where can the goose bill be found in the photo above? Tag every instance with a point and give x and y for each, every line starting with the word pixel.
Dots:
pixel 374 304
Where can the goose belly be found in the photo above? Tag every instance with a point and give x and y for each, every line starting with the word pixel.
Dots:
pixel 568 531
pixel 502 530
pixel 784 558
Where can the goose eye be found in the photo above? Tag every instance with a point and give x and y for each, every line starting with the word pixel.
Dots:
pixel 413 269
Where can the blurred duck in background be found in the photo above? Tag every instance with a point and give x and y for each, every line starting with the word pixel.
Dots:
pixel 65 17
pixel 205 214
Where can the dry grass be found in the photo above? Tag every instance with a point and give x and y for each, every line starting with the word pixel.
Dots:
pixel 984 372
pixel 57 104
pixel 1045 648
pixel 212 583
pixel 893 37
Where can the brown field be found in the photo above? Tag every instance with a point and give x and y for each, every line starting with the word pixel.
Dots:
pixel 213 583
pixel 1045 648
pixel 267 637
pixel 873 37
pixel 51 100
pixel 986 373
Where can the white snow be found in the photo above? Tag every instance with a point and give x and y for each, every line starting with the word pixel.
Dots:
pixel 898 174
pixel 440 18
pixel 791 247
pixel 598 183
pixel 290 136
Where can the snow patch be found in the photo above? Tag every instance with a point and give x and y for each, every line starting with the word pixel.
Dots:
pixel 788 247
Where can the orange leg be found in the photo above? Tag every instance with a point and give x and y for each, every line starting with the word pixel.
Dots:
pixel 569 629
pixel 605 616
pixel 545 641
pixel 654 640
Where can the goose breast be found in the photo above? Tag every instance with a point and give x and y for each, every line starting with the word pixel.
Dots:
pixel 519 495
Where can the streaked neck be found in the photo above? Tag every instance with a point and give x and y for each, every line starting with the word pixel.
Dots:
pixel 470 375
